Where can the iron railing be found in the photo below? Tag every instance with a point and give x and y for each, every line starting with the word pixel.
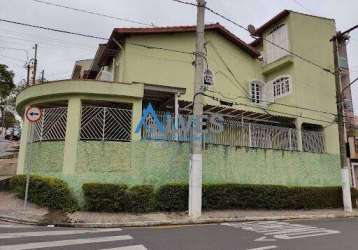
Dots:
pixel 51 126
pixel 104 123
pixel 313 141
pixel 237 133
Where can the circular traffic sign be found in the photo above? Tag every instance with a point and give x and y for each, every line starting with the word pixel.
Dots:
pixel 33 114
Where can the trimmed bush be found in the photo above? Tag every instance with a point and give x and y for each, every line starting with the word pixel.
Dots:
pixel 172 197
pixel 237 196
pixel 140 199
pixel 49 192
pixel 105 197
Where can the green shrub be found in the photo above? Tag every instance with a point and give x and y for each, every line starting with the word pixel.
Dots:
pixel 105 197
pixel 45 191
pixel 237 196
pixel 172 197
pixel 140 199
pixel 354 194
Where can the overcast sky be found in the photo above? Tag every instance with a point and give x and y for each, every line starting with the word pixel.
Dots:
pixel 57 52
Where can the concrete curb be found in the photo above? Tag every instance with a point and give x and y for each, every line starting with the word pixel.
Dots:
pixel 185 221
pixel 17 220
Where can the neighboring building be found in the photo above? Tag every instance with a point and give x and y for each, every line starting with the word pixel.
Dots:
pixel 279 110
pixel 353 152
pixel 81 68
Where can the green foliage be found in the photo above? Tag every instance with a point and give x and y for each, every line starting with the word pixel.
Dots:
pixel 9 120
pixel 6 81
pixel 237 196
pixel 172 197
pixel 118 198
pixel 45 191
pixel 140 199
pixel 105 197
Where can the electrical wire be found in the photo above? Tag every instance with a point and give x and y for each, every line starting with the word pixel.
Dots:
pixel 93 13
pixel 265 39
pixel 52 29
pixel 90 36
pixel 270 110
pixel 18 49
pixel 277 103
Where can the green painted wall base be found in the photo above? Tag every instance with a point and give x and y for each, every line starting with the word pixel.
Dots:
pixel 158 163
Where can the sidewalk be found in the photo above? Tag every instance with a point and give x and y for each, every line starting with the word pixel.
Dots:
pixel 11 209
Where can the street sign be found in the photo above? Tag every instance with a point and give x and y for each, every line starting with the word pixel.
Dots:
pixel 33 114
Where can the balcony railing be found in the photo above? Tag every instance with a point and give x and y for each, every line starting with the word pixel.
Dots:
pixel 241 134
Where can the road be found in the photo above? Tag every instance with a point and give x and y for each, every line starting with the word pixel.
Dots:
pixel 332 234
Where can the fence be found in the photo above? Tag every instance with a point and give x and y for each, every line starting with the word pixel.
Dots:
pixel 238 133
pixel 313 141
pixel 52 125
pixel 103 123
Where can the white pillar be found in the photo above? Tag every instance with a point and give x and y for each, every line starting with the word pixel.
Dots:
pixel 346 188
pixel 298 124
pixel 176 115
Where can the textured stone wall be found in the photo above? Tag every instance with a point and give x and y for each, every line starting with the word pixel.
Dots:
pixel 158 163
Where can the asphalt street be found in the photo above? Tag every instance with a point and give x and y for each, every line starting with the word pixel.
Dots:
pixel 335 234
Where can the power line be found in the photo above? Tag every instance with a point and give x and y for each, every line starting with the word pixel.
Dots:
pixel 277 103
pixel 92 13
pixel 265 39
pixel 233 102
pixel 91 36
pixel 352 82
pixel 18 49
pixel 52 29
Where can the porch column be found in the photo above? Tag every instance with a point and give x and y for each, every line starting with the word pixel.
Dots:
pixel 72 137
pixel 24 141
pixel 136 116
pixel 176 115
pixel 298 125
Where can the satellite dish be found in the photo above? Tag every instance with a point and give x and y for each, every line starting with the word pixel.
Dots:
pixel 251 29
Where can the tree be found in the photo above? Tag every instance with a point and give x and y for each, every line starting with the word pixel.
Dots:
pixel 10 120
pixel 6 87
pixel 6 81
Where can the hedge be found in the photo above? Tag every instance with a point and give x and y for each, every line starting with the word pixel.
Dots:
pixel 174 197
pixel 118 198
pixel 105 197
pixel 49 192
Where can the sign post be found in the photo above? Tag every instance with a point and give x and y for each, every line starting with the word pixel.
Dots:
pixel 32 115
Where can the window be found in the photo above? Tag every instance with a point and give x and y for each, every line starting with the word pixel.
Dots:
pixel 356 144
pixel 277 36
pixel 256 91
pixel 282 86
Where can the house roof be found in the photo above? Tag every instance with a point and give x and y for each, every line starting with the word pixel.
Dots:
pixel 120 34
pixel 178 29
pixel 259 31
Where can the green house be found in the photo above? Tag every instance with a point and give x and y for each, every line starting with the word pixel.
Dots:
pixel 279 110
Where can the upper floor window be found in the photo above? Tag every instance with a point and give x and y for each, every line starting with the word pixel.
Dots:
pixel 276 42
pixel 256 91
pixel 282 86
pixel 356 144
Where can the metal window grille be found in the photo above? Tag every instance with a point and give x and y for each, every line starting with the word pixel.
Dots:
pixel 103 123
pixel 313 141
pixel 52 125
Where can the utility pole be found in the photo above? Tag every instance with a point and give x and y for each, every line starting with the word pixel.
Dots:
pixel 28 74
pixel 196 159
pixel 42 76
pixel 339 43
pixel 35 66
